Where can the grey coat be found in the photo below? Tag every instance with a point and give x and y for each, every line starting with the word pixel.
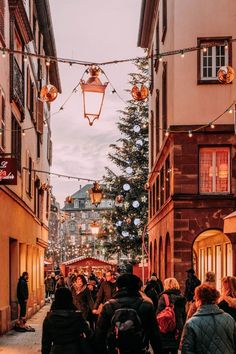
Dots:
pixel 209 331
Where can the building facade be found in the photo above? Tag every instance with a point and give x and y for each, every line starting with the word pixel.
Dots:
pixel 77 216
pixel 192 172
pixel 25 26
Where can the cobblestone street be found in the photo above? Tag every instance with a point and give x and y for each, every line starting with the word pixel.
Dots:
pixel 28 342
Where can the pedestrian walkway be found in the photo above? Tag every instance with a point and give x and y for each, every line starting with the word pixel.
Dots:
pixel 27 342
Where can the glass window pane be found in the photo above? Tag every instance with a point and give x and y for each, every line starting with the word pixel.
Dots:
pixel 206 172
pixel 223 168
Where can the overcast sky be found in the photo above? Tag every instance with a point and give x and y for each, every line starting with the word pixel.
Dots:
pixel 91 30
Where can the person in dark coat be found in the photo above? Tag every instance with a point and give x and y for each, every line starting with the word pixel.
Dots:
pixel 171 340
pixel 63 327
pixel 22 297
pixel 128 296
pixel 227 301
pixel 49 286
pixel 210 330
pixel 153 289
pixel 191 283
pixel 106 290
pixel 82 297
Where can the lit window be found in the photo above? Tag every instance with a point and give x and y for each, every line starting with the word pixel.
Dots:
pixel 214 170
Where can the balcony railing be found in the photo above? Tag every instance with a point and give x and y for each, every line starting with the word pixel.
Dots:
pixel 17 87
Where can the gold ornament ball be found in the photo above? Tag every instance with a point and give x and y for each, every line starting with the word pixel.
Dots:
pixel 128 220
pixel 139 94
pixel 119 199
pixel 225 74
pixel 48 93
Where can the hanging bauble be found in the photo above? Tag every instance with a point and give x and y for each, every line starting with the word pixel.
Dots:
pixel 225 74
pixel 126 187
pixel 139 94
pixel 139 142
pixel 69 200
pixel 129 170
pixel 48 93
pixel 146 186
pixel 137 221
pixel 119 199
pixel 129 220
pixel 118 223
pixel 135 204
pixel 137 128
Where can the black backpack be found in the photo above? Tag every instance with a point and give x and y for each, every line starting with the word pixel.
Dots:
pixel 126 334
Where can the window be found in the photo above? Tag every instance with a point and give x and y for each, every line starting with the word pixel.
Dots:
pixel 28 173
pixel 157 45
pixel 2 21
pixel 167 177
pixel 214 170
pixel 164 99
pixel 2 121
pixel 16 141
pixel 151 73
pixel 152 139
pixel 212 58
pixel 157 194
pixel 157 121
pixel 162 187
pixel 164 19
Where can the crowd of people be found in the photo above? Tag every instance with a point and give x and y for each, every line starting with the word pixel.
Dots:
pixel 116 314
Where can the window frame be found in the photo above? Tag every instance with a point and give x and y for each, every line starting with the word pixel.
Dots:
pixel 214 149
pixel 200 42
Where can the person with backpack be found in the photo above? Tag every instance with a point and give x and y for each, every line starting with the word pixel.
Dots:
pixel 171 315
pixel 153 289
pixel 127 323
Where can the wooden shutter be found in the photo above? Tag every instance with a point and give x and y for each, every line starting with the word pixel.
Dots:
pixel 39 124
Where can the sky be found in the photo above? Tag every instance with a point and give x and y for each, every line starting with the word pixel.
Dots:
pixel 91 30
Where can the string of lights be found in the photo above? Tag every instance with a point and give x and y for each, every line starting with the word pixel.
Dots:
pixel 71 62
pixel 64 176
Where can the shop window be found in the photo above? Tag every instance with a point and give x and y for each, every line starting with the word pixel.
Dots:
pixel 211 58
pixel 214 170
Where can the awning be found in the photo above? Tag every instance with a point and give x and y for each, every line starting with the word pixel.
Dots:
pixel 230 223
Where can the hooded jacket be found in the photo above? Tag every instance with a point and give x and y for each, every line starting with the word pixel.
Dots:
pixel 210 330
pixel 62 330
pixel 145 312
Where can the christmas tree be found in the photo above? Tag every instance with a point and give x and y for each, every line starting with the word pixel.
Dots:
pixel 130 155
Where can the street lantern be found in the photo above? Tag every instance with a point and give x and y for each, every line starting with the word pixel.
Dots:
pixel 96 194
pixel 94 228
pixel 93 94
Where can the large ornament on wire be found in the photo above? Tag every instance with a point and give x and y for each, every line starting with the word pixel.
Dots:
pixel 139 93
pixel 48 93
pixel 225 74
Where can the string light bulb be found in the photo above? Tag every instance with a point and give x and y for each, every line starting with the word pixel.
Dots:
pixel 47 62
pixel 167 132
pixel 160 58
pixel 23 132
pixel 190 134
pixel 205 49
pixel 226 45
pixel 25 58
pixel 3 53
pixel 230 110
pixel 212 125
pixel 0 132
pixel 182 54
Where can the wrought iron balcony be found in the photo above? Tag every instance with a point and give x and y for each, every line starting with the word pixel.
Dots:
pixel 17 85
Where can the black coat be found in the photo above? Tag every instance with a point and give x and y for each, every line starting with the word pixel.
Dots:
pixel 153 290
pixel 83 302
pixel 106 291
pixel 190 285
pixel 171 340
pixel 62 331
pixel 22 290
pixel 223 305
pixel 145 312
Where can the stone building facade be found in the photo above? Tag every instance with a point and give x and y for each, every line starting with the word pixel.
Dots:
pixel 24 26
pixel 192 172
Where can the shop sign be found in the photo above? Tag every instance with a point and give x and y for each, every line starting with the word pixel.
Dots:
pixel 8 171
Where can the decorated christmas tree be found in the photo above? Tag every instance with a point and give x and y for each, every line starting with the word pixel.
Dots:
pixel 130 155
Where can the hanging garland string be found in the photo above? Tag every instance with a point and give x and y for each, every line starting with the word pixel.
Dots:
pixel 69 61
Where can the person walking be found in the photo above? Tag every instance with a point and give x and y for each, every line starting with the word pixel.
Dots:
pixel 106 290
pixel 82 297
pixel 127 321
pixel 64 329
pixel 227 301
pixel 210 330
pixel 22 297
pixel 49 287
pixel 153 289
pixel 191 283
pixel 60 283
pixel 173 297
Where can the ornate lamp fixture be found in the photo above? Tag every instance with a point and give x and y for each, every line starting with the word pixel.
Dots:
pixel 93 94
pixel 94 228
pixel 96 194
